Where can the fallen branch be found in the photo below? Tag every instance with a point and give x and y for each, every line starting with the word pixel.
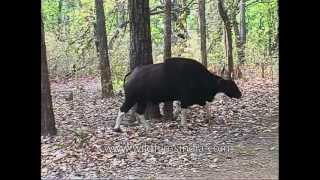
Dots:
pixel 116 33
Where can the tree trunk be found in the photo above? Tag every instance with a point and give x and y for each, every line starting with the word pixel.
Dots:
pixel 61 25
pixel 269 34
pixel 225 43
pixel 168 106
pixel 140 42
pixel 242 22
pixel 96 42
pixel 242 34
pixel 240 48
pixel 202 24
pixel 47 116
pixel 224 15
pixel 106 82
pixel 60 12
pixel 224 72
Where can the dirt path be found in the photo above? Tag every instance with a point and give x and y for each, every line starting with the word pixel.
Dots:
pixel 86 146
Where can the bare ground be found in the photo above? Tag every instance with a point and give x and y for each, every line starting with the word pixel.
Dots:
pixel 86 147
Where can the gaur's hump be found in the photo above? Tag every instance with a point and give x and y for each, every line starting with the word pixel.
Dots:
pixel 185 62
pixel 188 61
pixel 182 60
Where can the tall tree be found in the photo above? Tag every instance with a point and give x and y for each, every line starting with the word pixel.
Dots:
pixel 242 33
pixel 242 21
pixel 168 106
pixel 60 12
pixel 228 36
pixel 180 25
pixel 140 42
pixel 101 36
pixel 203 37
pixel 61 23
pixel 239 32
pixel 269 32
pixel 47 116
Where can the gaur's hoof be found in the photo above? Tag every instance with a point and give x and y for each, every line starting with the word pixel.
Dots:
pixel 132 124
pixel 147 129
pixel 117 130
pixel 191 128
pixel 184 126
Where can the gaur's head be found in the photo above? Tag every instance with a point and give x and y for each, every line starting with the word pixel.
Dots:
pixel 229 88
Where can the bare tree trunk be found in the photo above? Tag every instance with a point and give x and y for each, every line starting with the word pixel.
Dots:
pixel 224 72
pixel 61 25
pixel 96 37
pixel 203 38
pixel 225 42
pixel 47 116
pixel 106 82
pixel 269 35
pixel 60 12
pixel 168 106
pixel 224 15
pixel 242 33
pixel 168 32
pixel 240 49
pixel 140 41
pixel 242 22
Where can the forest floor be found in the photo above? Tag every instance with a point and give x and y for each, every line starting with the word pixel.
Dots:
pixel 242 143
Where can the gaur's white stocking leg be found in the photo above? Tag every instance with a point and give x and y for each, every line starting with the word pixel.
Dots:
pixel 183 117
pixel 118 120
pixel 177 111
pixel 132 116
pixel 143 121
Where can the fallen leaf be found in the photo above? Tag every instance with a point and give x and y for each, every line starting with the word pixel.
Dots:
pixel 109 155
pixel 213 165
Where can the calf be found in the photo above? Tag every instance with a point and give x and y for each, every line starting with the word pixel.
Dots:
pixel 177 79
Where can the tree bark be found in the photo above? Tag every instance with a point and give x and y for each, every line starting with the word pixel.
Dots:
pixel 239 46
pixel 224 72
pixel 242 22
pixel 47 116
pixel 203 37
pixel 140 42
pixel 106 82
pixel 269 34
pixel 224 15
pixel 168 106
pixel 60 12
pixel 240 35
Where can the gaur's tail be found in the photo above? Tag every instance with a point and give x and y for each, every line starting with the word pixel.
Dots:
pixel 125 77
